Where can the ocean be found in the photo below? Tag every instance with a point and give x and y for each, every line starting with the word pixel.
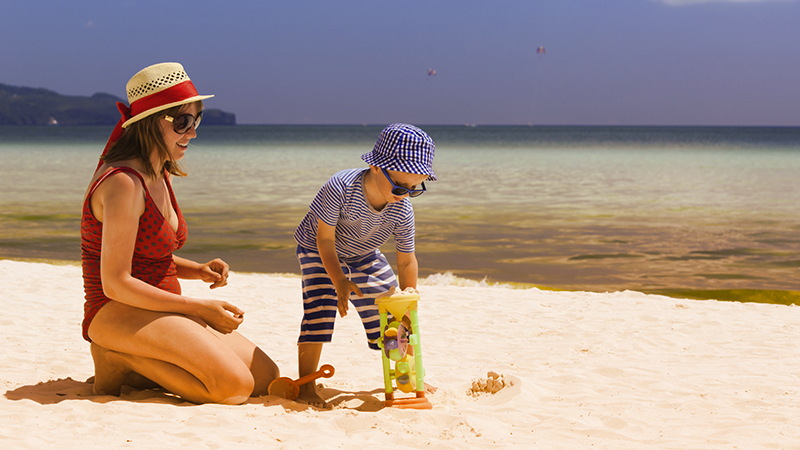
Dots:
pixel 700 212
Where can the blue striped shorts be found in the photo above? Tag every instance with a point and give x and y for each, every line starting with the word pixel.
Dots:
pixel 373 275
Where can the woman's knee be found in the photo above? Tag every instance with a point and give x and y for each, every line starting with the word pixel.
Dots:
pixel 264 371
pixel 231 387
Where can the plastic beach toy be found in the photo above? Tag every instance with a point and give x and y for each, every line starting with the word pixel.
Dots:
pixel 289 389
pixel 400 341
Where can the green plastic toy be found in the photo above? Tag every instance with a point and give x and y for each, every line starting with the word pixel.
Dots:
pixel 400 342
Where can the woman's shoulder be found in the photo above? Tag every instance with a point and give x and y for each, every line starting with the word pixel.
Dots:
pixel 131 168
pixel 120 178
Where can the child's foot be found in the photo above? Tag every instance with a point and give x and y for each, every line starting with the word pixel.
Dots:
pixel 109 371
pixel 309 396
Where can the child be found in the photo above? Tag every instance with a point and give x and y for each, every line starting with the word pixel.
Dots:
pixel 353 214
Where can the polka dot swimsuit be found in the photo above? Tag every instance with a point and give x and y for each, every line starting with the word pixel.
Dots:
pixel 152 256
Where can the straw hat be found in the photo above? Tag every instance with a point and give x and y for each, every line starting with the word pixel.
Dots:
pixel 157 88
pixel 153 89
pixel 404 148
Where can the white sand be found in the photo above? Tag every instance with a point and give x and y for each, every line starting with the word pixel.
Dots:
pixel 615 371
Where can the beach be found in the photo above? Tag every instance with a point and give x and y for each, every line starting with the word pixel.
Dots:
pixel 610 370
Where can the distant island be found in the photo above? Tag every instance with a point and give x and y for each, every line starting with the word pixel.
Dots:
pixel 36 106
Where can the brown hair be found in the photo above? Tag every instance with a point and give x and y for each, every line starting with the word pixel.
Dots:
pixel 142 136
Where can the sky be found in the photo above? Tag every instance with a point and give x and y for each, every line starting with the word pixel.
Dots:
pixel 607 62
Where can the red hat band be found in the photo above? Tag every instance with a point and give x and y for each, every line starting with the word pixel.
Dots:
pixel 173 94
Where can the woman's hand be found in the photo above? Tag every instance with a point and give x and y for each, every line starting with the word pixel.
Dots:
pixel 220 315
pixel 214 272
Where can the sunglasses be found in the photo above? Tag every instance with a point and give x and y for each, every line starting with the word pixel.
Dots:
pixel 184 122
pixel 401 191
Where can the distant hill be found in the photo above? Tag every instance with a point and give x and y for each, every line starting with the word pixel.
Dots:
pixel 30 106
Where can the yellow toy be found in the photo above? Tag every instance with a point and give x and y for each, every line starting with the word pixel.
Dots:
pixel 400 342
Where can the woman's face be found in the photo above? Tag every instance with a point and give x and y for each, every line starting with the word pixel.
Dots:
pixel 178 143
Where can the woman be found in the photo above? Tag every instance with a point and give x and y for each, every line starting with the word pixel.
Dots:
pixel 142 330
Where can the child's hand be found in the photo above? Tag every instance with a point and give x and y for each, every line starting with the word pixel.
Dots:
pixel 343 290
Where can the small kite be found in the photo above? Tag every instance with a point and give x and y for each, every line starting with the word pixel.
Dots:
pixel 431 72
pixel 541 50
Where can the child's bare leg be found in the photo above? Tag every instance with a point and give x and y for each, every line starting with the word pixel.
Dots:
pixel 308 354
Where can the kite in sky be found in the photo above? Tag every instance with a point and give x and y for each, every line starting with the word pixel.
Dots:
pixel 541 50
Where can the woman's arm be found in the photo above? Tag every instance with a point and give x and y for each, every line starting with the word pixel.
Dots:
pixel 214 271
pixel 120 203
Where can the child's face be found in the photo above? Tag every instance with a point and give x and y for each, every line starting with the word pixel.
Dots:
pixel 402 179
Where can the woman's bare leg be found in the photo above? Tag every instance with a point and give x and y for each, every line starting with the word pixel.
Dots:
pixel 261 366
pixel 111 367
pixel 179 353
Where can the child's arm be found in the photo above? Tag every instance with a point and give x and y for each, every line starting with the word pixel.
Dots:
pixel 326 246
pixel 407 270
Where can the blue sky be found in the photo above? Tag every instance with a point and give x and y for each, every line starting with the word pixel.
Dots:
pixel 608 62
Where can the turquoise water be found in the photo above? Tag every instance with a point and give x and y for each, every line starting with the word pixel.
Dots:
pixel 654 209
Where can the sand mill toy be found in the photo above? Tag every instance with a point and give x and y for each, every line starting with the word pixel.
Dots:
pixel 400 344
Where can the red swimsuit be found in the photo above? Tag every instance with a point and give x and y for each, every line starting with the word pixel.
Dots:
pixel 152 256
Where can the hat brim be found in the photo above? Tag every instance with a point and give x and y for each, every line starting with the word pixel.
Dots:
pixel 393 164
pixel 152 111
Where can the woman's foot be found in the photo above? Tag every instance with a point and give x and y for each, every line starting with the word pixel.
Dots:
pixel 138 381
pixel 109 371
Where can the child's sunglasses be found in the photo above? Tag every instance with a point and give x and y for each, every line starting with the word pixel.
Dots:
pixel 401 191
pixel 184 122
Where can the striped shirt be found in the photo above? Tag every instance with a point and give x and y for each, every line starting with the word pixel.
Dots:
pixel 360 229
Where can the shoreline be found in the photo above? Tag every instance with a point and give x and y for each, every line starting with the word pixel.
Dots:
pixel 702 213
pixel 767 296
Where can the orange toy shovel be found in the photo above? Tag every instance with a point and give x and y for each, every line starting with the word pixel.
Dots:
pixel 289 389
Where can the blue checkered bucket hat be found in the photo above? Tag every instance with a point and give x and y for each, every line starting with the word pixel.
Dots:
pixel 404 148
